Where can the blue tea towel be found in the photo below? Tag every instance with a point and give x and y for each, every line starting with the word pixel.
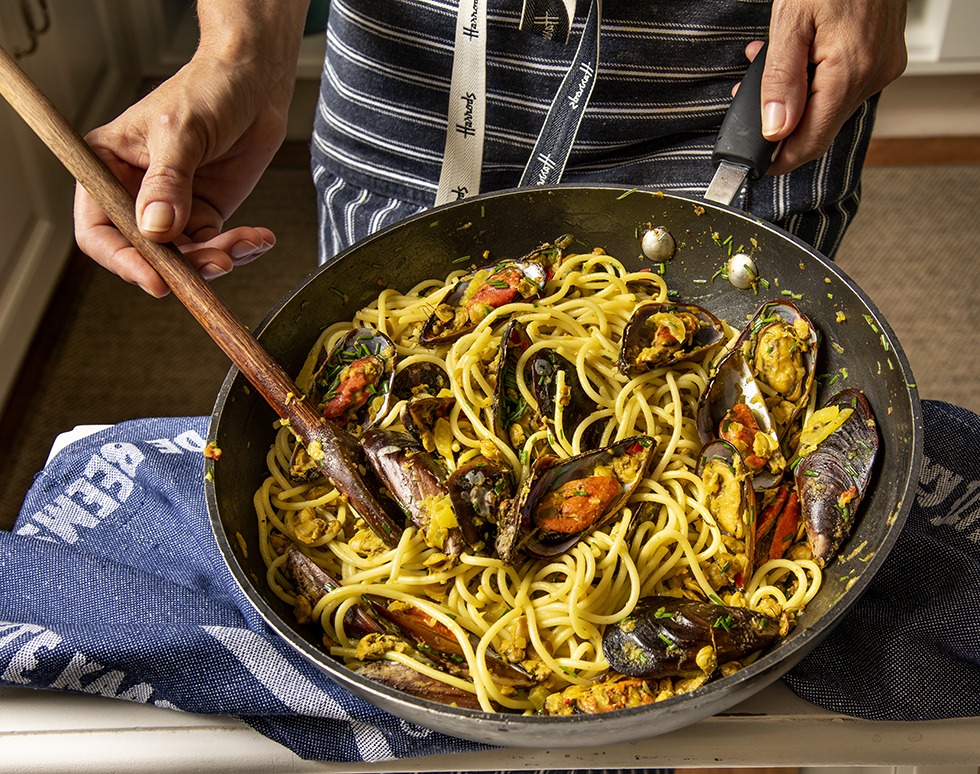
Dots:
pixel 111 583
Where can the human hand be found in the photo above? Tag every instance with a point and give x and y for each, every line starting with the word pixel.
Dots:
pixel 189 152
pixel 858 47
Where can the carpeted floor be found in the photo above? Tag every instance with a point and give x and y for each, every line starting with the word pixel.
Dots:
pixel 914 248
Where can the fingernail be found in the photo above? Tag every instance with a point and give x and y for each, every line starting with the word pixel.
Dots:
pixel 209 271
pixel 157 217
pixel 773 117
pixel 243 249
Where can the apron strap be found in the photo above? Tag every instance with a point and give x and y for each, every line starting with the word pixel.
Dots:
pixel 465 129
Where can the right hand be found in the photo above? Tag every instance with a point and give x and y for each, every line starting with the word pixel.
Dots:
pixel 189 152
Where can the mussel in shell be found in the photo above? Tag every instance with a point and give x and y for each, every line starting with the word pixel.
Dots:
pixel 780 347
pixel 731 501
pixel 562 502
pixel 416 480
pixel 405 679
pixel 477 294
pixel 562 403
pixel 838 448
pixel 352 384
pixel 659 334
pixel 733 409
pixel 311 583
pixel 668 636
pixel 479 490
pixel 514 419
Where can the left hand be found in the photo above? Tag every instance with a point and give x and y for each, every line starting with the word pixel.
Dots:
pixel 858 47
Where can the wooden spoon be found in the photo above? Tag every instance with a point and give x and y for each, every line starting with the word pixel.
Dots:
pixel 327 445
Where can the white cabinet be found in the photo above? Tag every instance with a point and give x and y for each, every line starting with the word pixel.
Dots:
pixel 943 37
pixel 79 57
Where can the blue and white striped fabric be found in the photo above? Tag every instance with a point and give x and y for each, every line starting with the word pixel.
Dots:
pixel 111 583
pixel 665 78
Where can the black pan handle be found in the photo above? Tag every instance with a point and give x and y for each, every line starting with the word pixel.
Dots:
pixel 740 140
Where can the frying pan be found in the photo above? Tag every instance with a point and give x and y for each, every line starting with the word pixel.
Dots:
pixel 860 350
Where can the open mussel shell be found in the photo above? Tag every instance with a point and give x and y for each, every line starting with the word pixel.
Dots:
pixel 562 404
pixel 513 418
pixel 477 294
pixel 479 491
pixel 419 378
pixel 659 334
pixel 732 503
pixel 416 480
pixel 561 502
pixel 733 386
pixel 427 419
pixel 352 384
pixel 780 347
pixel 667 636
pixel 833 478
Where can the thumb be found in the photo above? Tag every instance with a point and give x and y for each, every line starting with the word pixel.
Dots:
pixel 784 81
pixel 163 204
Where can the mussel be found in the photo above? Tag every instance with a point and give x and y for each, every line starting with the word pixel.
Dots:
pixel 405 679
pixel 477 294
pixel 780 346
pixel 479 490
pixel 733 409
pixel 660 334
pixel 416 480
pixel 514 419
pixel 562 502
pixel 562 403
pixel 731 501
pixel 311 583
pixel 838 448
pixel 352 384
pixel 668 636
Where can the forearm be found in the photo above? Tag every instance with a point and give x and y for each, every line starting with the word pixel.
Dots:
pixel 262 36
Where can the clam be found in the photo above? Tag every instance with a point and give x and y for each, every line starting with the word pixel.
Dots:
pixel 561 502
pixel 838 448
pixel 477 294
pixel 731 501
pixel 660 334
pixel 667 637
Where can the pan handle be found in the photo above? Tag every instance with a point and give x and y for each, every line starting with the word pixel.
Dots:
pixel 740 140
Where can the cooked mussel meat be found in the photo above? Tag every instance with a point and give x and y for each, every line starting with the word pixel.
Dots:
pixel 477 294
pixel 780 347
pixel 733 408
pixel 668 636
pixel 416 480
pixel 660 334
pixel 352 384
pixel 562 502
pixel 731 502
pixel 838 448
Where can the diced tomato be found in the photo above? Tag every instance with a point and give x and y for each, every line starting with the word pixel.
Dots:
pixel 498 290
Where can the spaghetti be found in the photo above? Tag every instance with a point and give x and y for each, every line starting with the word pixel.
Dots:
pixel 549 614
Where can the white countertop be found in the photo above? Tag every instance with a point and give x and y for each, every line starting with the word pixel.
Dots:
pixel 44 732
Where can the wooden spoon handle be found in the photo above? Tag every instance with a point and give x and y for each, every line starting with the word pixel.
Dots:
pixel 187 285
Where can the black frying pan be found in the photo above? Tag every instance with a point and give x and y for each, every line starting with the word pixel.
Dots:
pixel 510 224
